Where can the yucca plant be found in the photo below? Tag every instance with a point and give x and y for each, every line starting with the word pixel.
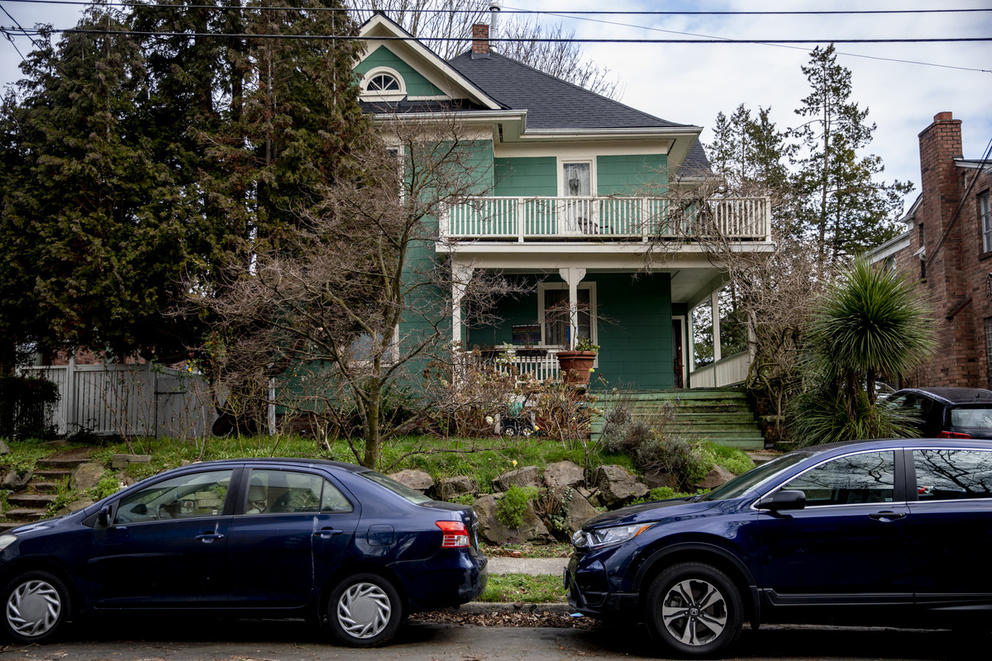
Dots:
pixel 870 322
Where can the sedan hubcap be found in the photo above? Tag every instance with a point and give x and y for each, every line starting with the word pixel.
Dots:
pixel 33 608
pixel 364 610
pixel 694 612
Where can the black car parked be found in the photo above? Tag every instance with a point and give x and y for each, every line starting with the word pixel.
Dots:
pixel 331 542
pixel 946 412
pixel 893 532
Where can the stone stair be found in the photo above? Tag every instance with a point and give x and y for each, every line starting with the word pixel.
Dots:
pixel 720 415
pixel 31 504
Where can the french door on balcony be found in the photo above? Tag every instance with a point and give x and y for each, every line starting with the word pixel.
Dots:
pixel 577 216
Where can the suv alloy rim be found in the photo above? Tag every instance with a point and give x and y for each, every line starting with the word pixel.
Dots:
pixel 694 612
pixel 33 608
pixel 364 610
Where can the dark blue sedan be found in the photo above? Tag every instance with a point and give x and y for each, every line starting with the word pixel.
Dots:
pixel 871 532
pixel 332 542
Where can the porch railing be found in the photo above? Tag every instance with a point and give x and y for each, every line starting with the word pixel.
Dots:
pixel 540 364
pixel 725 372
pixel 605 218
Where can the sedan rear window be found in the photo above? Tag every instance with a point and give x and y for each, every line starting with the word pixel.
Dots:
pixel 972 417
pixel 406 492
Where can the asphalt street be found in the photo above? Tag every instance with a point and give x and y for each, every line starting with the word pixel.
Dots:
pixel 191 640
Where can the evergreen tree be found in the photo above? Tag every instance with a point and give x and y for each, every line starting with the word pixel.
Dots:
pixel 840 202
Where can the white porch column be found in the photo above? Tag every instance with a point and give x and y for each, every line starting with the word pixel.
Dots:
pixel 572 277
pixel 715 306
pixel 461 274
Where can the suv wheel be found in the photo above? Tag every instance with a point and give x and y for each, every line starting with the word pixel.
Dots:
pixel 694 609
pixel 364 610
pixel 35 606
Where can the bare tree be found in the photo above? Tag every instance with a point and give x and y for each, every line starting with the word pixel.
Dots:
pixel 347 309
pixel 428 19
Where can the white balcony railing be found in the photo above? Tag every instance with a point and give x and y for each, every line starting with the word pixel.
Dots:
pixel 605 218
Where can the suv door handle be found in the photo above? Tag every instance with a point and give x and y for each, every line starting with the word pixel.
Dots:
pixel 327 533
pixel 887 515
pixel 208 538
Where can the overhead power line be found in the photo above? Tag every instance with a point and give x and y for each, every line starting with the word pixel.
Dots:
pixel 601 12
pixel 552 40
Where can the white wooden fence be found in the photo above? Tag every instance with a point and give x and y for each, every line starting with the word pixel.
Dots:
pixel 129 400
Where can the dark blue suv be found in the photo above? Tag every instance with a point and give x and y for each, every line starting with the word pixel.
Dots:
pixel 332 542
pixel 871 532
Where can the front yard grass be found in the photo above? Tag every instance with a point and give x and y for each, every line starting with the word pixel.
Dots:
pixel 523 588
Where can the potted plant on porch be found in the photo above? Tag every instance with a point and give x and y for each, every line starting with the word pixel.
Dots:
pixel 576 365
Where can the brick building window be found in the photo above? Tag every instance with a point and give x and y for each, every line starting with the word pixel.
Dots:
pixel 922 252
pixel 988 348
pixel 985 215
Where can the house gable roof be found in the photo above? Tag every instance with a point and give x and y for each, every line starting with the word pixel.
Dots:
pixel 427 64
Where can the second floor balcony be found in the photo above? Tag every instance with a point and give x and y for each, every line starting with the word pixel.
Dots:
pixel 606 219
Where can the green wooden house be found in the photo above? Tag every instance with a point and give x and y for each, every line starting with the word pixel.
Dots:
pixel 578 200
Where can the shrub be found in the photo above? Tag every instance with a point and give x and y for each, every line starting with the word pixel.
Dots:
pixel 108 485
pixel 25 407
pixel 511 508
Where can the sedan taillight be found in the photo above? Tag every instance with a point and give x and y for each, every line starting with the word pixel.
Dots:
pixel 953 434
pixel 455 534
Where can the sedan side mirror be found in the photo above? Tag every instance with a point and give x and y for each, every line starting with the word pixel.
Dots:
pixel 103 516
pixel 782 500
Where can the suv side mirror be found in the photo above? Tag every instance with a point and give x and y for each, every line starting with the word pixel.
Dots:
pixel 783 500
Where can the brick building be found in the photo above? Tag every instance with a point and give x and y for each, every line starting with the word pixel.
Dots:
pixel 947 245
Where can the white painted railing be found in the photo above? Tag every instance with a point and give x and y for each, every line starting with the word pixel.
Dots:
pixel 581 218
pixel 725 372
pixel 541 367
pixel 128 400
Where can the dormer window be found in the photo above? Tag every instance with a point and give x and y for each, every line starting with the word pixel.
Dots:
pixel 383 84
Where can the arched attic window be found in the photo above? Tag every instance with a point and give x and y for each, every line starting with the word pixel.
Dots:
pixel 384 84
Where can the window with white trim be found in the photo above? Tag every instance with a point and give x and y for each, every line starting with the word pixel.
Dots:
pixel 985 216
pixel 553 313
pixel 383 83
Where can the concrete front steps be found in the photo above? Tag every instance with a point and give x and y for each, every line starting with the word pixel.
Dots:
pixel 720 415
pixel 31 504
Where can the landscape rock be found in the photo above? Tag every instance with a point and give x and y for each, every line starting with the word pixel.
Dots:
pixel 449 487
pixel 4 448
pixel 15 481
pixel 417 480
pixel 717 476
pixel 592 495
pixel 563 474
pixel 78 505
pixel 124 460
pixel 527 476
pixel 87 475
pixel 654 479
pixel 577 510
pixel 494 531
pixel 617 485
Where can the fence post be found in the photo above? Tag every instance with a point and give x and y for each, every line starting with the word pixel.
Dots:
pixel 70 394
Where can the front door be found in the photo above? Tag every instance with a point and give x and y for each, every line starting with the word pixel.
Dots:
pixel 166 547
pixel 678 355
pixel 578 215
pixel 849 544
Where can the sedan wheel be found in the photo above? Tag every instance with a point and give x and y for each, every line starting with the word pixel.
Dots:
pixel 35 605
pixel 364 610
pixel 694 609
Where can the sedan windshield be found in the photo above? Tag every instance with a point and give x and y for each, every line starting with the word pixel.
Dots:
pixel 740 484
pixel 406 492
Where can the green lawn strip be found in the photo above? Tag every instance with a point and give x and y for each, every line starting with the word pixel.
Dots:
pixel 523 588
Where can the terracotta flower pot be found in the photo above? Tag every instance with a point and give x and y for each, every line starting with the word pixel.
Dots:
pixel 576 365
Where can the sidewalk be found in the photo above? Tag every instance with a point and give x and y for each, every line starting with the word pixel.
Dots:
pixel 531 566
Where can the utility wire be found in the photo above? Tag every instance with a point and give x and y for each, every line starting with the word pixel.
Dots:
pixel 776 45
pixel 601 12
pixel 552 40
pixel 964 198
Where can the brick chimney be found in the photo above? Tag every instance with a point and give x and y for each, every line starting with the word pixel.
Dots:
pixel 480 40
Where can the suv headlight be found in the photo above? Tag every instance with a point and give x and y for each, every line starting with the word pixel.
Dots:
pixel 6 540
pixel 606 536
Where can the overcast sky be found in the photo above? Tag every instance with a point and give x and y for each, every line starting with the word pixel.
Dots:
pixel 692 83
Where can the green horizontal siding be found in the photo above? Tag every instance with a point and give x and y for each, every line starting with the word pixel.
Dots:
pixel 416 84
pixel 644 175
pixel 531 176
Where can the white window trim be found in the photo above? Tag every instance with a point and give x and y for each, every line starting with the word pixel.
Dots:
pixel 681 318
pixel 563 185
pixel 985 217
pixel 593 329
pixel 383 95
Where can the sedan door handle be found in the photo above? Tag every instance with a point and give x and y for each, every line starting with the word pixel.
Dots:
pixel 209 537
pixel 887 515
pixel 327 533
